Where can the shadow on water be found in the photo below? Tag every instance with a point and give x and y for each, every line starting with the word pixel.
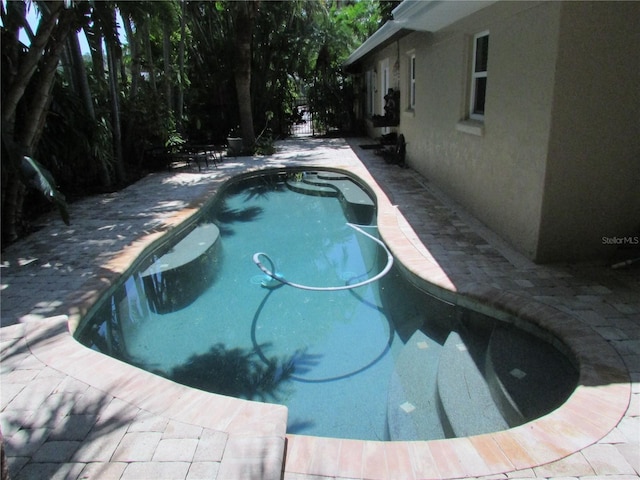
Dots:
pixel 299 426
pixel 226 216
pixel 262 186
pixel 302 362
pixel 235 372
pixel 258 187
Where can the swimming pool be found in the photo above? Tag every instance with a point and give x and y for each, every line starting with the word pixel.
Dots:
pixel 364 362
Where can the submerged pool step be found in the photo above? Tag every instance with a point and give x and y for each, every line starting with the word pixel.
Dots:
pixel 517 364
pixel 466 400
pixel 306 188
pixel 352 192
pixel 412 412
pixel 197 243
pixel 180 275
pixel 360 205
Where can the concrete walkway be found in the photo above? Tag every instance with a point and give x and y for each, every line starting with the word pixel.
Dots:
pixel 61 419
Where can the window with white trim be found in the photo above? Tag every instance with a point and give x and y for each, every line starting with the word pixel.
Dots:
pixel 412 81
pixel 479 75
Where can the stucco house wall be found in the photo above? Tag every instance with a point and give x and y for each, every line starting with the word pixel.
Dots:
pixel 511 170
pixel 591 201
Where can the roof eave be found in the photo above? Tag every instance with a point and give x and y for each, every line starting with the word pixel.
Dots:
pixel 385 34
pixel 417 15
pixel 434 15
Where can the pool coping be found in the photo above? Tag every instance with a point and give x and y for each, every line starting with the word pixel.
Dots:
pixel 590 413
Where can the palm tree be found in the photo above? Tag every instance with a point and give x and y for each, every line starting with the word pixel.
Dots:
pixel 105 28
pixel 181 58
pixel 79 74
pixel 22 67
pixel 240 59
pixel 150 113
pixel 23 116
pixel 244 15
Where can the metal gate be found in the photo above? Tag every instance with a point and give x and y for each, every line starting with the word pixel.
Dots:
pixel 303 124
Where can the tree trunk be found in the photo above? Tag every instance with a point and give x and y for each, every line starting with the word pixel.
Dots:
pixel 244 23
pixel 116 130
pixel 94 39
pixel 12 207
pixel 149 56
pixel 84 91
pixel 29 63
pixel 168 69
pixel 66 62
pixel 80 75
pixel 21 133
pixel 42 84
pixel 180 100
pixel 134 50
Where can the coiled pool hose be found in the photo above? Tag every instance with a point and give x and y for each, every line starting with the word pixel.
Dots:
pixel 281 280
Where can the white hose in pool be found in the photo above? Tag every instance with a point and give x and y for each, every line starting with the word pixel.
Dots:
pixel 279 278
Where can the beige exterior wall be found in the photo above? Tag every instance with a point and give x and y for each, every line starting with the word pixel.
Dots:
pixel 498 175
pixel 511 171
pixel 388 55
pixel 593 169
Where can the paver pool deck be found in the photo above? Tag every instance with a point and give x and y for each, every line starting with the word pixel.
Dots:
pixel 68 412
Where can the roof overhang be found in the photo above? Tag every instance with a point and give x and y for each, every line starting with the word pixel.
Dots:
pixel 384 35
pixel 417 15
pixel 434 15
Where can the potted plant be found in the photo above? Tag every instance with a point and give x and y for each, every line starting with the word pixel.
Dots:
pixel 234 142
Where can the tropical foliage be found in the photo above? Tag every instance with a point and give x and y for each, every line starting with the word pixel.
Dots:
pixel 157 73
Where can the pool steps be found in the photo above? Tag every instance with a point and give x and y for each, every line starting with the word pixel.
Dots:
pixel 412 407
pixel 513 371
pixel 464 391
pixel 360 206
pixel 448 398
pixel 467 402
